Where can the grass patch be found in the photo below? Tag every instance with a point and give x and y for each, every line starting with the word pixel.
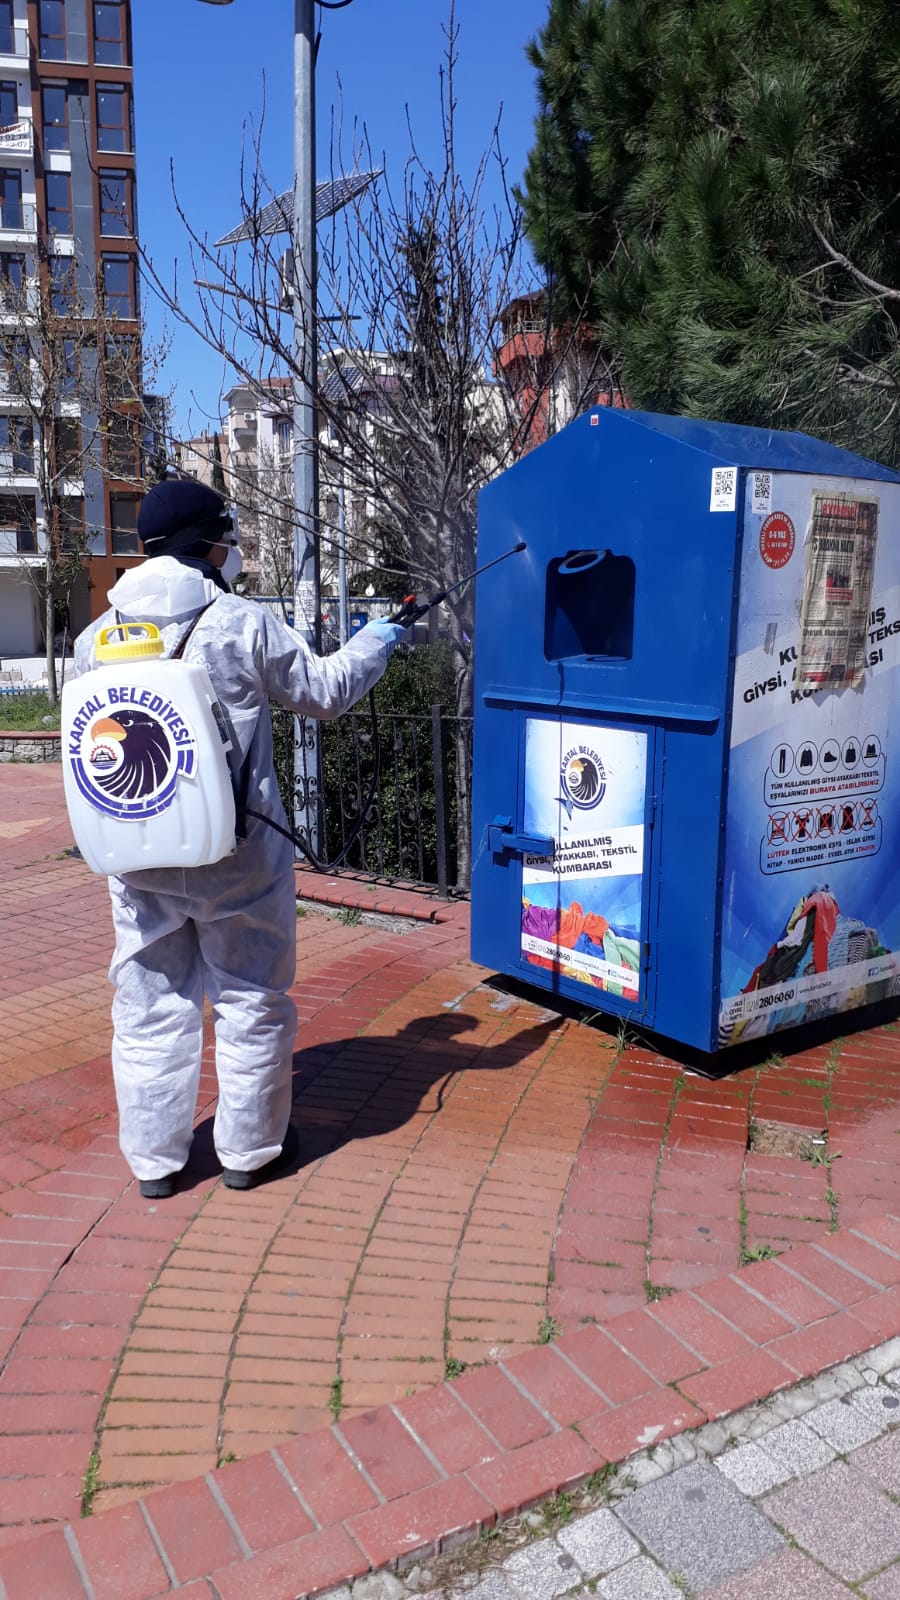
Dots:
pixel 454 1368
pixel 656 1291
pixel 336 1397
pixel 91 1483
pixel 30 712
pixel 548 1330
pixel 350 916
pixel 760 1252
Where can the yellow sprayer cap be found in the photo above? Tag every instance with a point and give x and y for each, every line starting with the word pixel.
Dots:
pixel 136 641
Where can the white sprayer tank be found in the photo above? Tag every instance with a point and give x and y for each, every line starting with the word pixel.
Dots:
pixel 144 758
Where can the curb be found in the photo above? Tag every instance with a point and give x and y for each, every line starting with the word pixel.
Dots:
pixel 351 892
pixel 413 1479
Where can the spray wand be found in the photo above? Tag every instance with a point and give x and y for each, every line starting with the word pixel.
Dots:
pixel 409 612
pixel 412 609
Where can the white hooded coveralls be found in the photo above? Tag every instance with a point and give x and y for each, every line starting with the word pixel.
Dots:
pixel 228 930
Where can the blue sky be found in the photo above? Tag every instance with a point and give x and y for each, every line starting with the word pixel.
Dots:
pixel 201 71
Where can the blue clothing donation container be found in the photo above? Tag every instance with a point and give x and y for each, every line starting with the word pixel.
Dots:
pixel 685 804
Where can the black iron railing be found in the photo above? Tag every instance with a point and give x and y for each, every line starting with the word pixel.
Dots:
pixel 418 822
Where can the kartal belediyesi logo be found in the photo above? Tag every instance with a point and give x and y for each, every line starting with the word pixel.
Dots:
pixel 128 749
pixel 583 779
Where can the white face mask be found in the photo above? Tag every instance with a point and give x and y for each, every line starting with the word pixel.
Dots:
pixel 233 565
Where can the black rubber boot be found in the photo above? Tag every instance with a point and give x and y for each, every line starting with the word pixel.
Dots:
pixel 158 1188
pixel 286 1157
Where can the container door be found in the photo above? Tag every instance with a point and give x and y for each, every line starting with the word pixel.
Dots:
pixel 585 848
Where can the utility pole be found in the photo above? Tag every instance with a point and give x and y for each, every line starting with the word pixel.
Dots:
pixel 307 602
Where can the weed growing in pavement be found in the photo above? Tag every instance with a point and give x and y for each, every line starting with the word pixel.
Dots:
pixel 548 1330
pixel 816 1155
pixel 759 1252
pixel 656 1291
pixel 558 1510
pixel 226 1459
pixel 350 916
pixel 336 1397
pixel 454 1368
pixel 91 1483
pixel 301 910
pixel 680 1582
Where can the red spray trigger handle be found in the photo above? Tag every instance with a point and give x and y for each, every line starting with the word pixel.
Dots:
pixel 410 611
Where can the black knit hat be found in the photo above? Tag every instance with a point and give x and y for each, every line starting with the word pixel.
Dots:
pixel 179 513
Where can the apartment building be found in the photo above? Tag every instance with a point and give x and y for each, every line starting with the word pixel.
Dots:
pixel 67 227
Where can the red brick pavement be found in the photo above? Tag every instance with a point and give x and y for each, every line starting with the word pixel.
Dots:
pixel 476 1174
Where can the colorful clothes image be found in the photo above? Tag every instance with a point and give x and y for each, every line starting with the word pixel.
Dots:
pixel 816 939
pixel 585 933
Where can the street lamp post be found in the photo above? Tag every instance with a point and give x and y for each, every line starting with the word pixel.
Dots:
pixel 307 605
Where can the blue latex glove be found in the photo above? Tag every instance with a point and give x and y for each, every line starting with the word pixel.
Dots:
pixel 389 633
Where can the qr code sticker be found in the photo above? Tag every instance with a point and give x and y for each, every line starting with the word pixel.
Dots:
pixel 723 489
pixel 760 493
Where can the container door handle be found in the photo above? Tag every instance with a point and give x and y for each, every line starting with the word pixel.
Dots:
pixel 502 837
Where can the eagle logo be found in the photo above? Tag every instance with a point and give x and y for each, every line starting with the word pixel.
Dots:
pixel 126 761
pixel 130 755
pixel 583 781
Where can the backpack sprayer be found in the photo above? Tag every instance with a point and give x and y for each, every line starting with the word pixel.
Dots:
pixel 127 739
pixel 410 611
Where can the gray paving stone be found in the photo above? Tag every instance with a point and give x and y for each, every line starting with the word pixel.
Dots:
pixel 788 1576
pixel 699 1525
pixel 542 1571
pixel 795 1447
pixel 885 1587
pixel 880 1462
pixel 752 1469
pixel 378 1586
pixel 598 1543
pixel 880 1403
pixel 640 1580
pixel 843 1424
pixel 490 1586
pixel 840 1518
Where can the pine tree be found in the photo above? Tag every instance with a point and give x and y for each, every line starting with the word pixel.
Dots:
pixel 218 472
pixel 693 162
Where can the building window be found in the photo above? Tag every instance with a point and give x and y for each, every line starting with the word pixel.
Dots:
pixel 121 447
pixel 55 102
pixel 109 33
pixel 71 522
pixel 124 514
pixel 113 117
pixel 67 442
pixel 17 514
pixel 62 286
pixel 116 192
pixel 59 202
pixel 12 276
pixel 16 446
pixel 52 25
pixel 9 104
pixel 15 365
pixel 118 286
pixel 66 369
pixel 10 197
pixel 7 30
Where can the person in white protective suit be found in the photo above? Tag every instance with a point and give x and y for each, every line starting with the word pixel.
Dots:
pixel 225 931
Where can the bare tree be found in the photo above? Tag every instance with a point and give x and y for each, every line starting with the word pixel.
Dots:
pixel 416 410
pixel 73 378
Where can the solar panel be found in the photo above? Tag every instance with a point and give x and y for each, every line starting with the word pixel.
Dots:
pixel 278 216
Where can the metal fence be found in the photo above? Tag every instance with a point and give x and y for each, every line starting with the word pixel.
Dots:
pixel 421 807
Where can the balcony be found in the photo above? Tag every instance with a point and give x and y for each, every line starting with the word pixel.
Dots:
pixel 18 222
pixel 17 139
pixel 13 49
